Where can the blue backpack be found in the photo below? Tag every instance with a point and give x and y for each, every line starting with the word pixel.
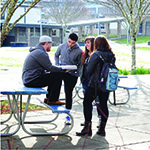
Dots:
pixel 109 76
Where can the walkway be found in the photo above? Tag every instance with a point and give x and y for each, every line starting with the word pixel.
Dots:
pixel 128 125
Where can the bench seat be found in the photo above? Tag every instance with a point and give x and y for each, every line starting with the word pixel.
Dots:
pixel 58 109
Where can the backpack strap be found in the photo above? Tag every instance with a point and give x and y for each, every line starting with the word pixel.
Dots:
pixel 100 56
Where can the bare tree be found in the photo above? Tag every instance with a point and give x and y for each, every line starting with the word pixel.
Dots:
pixel 64 11
pixel 134 11
pixel 9 7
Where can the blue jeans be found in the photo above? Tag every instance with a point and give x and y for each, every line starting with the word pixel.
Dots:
pixel 85 86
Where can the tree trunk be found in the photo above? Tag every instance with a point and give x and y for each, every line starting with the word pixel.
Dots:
pixel 133 49
pixel 64 33
pixel 3 36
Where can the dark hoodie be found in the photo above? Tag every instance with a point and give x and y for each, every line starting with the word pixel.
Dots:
pixel 36 63
pixel 95 65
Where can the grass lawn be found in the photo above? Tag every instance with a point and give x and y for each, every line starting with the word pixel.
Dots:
pixel 144 48
pixel 21 49
pixel 15 56
pixel 5 107
pixel 139 40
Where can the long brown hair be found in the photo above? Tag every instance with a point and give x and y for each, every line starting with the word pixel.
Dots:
pixel 101 43
pixel 91 38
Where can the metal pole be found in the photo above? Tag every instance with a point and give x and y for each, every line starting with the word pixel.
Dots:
pixel 98 28
pixel 41 23
pixel 40 28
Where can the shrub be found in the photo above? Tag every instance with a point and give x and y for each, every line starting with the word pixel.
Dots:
pixel 136 71
pixel 125 72
pixel 140 70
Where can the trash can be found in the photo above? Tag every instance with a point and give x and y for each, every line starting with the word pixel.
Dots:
pixel 149 43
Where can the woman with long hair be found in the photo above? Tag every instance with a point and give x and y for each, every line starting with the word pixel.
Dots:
pixel 94 67
pixel 85 77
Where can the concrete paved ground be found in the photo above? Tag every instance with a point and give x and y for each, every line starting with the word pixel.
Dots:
pixel 128 125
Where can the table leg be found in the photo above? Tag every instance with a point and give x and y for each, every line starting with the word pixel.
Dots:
pixel 13 110
pixel 21 109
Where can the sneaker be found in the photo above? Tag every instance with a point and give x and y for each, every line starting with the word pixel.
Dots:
pixel 55 103
pixel 99 122
pixel 67 122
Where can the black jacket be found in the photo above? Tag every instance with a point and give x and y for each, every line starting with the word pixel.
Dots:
pixel 95 65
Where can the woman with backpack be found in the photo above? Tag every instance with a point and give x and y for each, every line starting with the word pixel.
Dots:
pixel 94 67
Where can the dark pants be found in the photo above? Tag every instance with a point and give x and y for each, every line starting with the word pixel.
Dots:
pixel 69 84
pixel 85 86
pixel 53 81
pixel 88 99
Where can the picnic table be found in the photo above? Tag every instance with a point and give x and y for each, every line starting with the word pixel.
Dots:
pixel 17 94
pixel 121 92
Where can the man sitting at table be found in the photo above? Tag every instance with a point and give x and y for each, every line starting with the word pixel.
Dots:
pixel 38 71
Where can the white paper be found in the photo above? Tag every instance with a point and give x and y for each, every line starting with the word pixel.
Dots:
pixel 71 67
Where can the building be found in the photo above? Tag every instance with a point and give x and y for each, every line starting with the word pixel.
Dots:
pixel 28 30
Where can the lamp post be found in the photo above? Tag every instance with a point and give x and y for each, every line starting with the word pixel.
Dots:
pixel 99 25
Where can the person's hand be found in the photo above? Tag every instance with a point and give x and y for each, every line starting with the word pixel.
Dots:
pixel 67 70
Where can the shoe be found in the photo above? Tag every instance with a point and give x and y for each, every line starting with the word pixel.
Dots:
pixel 99 123
pixel 67 122
pixel 82 124
pixel 55 103
pixel 45 100
pixel 101 130
pixel 87 129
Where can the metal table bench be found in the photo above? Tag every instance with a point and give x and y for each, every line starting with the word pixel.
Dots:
pixel 17 94
pixel 125 90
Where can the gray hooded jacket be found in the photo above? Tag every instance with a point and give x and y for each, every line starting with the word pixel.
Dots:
pixel 69 56
pixel 36 63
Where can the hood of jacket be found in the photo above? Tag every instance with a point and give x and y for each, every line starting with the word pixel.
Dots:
pixel 76 46
pixel 36 47
pixel 107 55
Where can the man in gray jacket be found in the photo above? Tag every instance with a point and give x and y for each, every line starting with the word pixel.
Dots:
pixel 38 71
pixel 69 53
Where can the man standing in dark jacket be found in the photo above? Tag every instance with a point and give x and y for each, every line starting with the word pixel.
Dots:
pixel 38 71
pixel 69 53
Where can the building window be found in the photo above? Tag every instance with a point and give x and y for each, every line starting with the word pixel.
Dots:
pixel 37 32
pixel 54 32
pixel 22 32
pixel 45 31
pixel 12 32
pixel 102 26
pixel 147 24
pixel 92 10
pixel 140 28
pixel 32 32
